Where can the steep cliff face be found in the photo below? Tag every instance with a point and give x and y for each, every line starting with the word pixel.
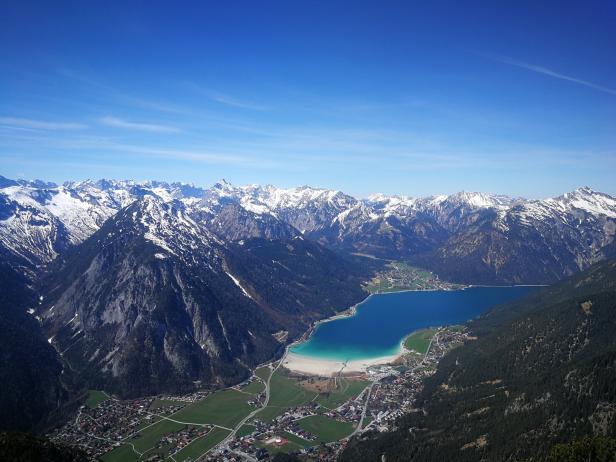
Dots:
pixel 152 301
pixel 542 371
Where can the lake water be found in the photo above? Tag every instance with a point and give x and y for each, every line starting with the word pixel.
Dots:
pixel 383 320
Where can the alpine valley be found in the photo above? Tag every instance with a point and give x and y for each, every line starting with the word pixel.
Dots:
pixel 147 288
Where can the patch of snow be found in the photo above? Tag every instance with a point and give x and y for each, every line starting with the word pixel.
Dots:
pixel 237 283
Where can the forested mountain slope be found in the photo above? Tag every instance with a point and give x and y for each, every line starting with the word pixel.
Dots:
pixel 542 371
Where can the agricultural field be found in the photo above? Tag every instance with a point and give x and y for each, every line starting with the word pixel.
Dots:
pixel 254 387
pixel 145 443
pixel 95 397
pixel 345 390
pixel 160 403
pixel 201 445
pixel 326 429
pixel 263 372
pixel 123 453
pixel 418 341
pixel 294 443
pixel 284 393
pixel 398 276
pixel 245 430
pixel 225 408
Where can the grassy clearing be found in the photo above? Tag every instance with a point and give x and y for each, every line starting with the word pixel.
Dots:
pixel 297 440
pixel 225 408
pixel 346 390
pixel 123 453
pixel 326 429
pixel 284 393
pixel 160 453
pixel 287 448
pixel 254 387
pixel 146 422
pixel 151 435
pixel 245 430
pixel 158 403
pixel 419 340
pixel 263 372
pixel 201 445
pixel 294 444
pixel 95 397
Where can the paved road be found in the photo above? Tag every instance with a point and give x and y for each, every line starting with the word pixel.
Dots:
pixel 253 413
pixel 363 414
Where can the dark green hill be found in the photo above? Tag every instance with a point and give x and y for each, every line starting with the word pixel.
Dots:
pixel 21 447
pixel 30 372
pixel 542 371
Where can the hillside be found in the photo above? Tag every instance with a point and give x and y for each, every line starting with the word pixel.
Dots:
pixel 30 370
pixel 156 302
pixel 542 371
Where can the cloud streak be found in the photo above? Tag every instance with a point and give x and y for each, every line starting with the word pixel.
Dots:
pixel 116 122
pixel 229 101
pixel 15 122
pixel 550 73
pixel 223 98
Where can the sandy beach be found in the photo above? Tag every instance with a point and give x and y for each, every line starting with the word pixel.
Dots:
pixel 326 367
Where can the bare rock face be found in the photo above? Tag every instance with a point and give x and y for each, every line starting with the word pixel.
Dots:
pixel 154 301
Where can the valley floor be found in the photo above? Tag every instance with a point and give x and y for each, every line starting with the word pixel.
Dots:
pixel 276 410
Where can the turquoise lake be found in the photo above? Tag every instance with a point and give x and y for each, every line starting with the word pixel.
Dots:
pixel 383 320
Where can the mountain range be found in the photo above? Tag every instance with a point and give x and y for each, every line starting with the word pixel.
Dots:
pixel 147 287
pixel 468 237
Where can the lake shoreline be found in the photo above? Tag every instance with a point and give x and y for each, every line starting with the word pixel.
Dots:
pixel 324 366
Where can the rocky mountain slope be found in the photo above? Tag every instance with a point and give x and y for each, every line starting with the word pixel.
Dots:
pixel 154 301
pixel 542 371
pixel 464 237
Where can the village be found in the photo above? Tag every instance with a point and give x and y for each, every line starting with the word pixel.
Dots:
pixel 202 426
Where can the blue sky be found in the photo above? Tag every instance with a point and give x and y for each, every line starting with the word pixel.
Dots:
pixel 359 96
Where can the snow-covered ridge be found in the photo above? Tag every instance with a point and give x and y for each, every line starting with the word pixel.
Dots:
pixel 37 219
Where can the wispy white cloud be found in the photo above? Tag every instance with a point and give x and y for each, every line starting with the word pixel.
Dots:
pixel 223 98
pixel 15 122
pixel 549 73
pixel 121 96
pixel 204 156
pixel 230 101
pixel 147 127
pixel 86 146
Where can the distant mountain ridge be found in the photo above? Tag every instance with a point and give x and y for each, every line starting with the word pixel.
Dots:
pixel 465 237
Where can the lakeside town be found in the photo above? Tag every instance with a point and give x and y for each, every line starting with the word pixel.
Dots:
pixel 315 427
pixel 398 276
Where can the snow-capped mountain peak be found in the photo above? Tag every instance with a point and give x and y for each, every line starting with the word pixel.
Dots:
pixel 39 220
